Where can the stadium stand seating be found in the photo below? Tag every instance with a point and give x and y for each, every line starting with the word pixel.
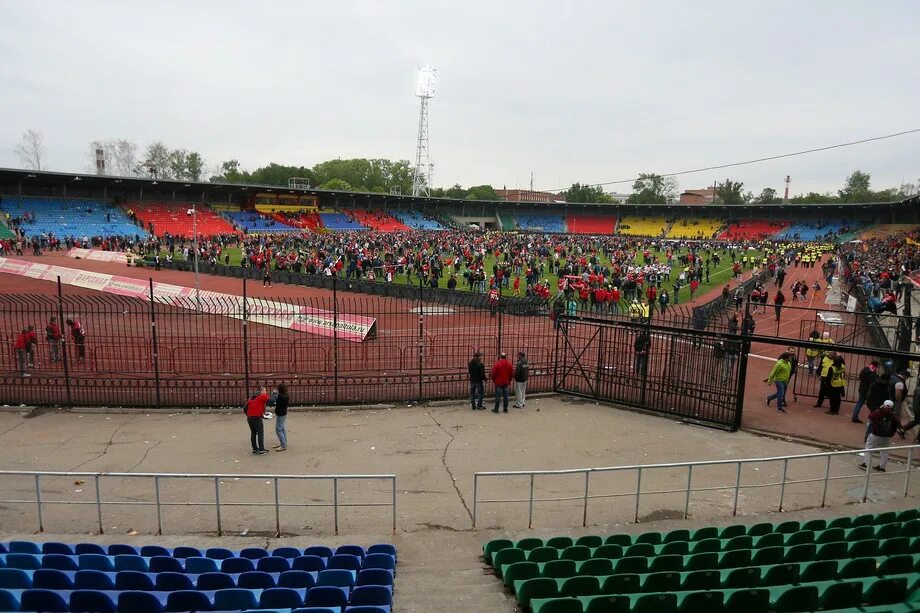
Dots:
pixel 811 231
pixel 695 228
pixel 252 222
pixel 173 217
pixel 307 221
pixel 880 230
pixel 755 229
pixel 380 221
pixel 506 221
pixel 541 223
pixel 340 221
pixel 856 563
pixel 70 217
pixel 631 225
pixel 418 221
pixel 87 577
pixel 5 231
pixel 591 224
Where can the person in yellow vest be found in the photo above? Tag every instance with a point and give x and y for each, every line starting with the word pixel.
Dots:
pixel 837 376
pixel 646 310
pixel 826 339
pixel 811 355
pixel 827 361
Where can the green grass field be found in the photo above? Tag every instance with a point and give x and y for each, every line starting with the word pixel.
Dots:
pixel 718 276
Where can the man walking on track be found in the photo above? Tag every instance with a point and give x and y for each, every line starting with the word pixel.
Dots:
pixel 521 371
pixel 477 372
pixel 502 373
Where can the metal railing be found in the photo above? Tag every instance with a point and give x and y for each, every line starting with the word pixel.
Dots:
pixel 217 504
pixel 689 489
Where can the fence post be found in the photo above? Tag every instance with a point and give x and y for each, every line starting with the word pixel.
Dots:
pixel 475 496
pixel 245 347
pixel 60 289
pixel 499 308
pixel 559 323
pixel 744 347
pixel 38 503
pixel 154 345
pixel 335 338
pixel 421 341
pixel 910 462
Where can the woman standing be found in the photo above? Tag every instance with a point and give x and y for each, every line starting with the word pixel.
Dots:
pixel 281 409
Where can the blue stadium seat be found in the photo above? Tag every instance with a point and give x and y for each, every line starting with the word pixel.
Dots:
pixel 84 548
pixel 237 565
pixel 326 596
pixel 318 610
pixel 61 548
pixel 273 564
pixel 309 563
pixel 59 562
pixel 541 223
pixel 382 548
pixel 417 221
pixel 355 550
pixel 24 547
pixel 374 595
pixel 131 562
pixel 166 564
pixel 8 601
pixel 255 580
pixel 95 561
pixel 380 560
pixel 91 601
pixel 173 582
pixel 297 579
pixel 340 221
pixel 51 579
pixel 197 566
pixel 26 561
pixel 239 599
pixel 253 222
pixel 44 601
pixel 253 553
pixel 375 576
pixel 280 598
pixel 345 561
pixel 318 550
pixel 120 549
pixel 93 580
pixel 188 600
pixel 218 553
pixel 367 609
pixel 151 551
pixel 186 552
pixel 71 217
pixel 215 581
pixel 336 578
pixel 133 580
pixel 286 552
pixel 139 602
pixel 14 579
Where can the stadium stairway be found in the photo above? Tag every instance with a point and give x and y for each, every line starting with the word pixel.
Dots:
pixel 506 221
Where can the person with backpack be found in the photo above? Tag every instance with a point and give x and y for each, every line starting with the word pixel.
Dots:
pixel 883 424
pixel 867 376
pixel 53 336
pixel 78 334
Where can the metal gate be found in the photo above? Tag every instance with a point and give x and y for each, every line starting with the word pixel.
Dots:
pixel 681 375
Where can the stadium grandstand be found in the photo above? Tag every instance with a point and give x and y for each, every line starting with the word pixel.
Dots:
pixel 541 223
pixel 381 221
pixel 829 229
pixel 634 225
pixel 758 229
pixel 64 217
pixel 693 228
pixel 336 221
pixel 253 222
pixel 591 224
pixel 173 218
pixel 418 220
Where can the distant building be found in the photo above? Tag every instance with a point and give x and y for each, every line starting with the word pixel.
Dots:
pixel 526 195
pixel 697 196
pixel 618 198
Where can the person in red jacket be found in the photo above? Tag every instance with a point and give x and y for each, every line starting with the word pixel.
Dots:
pixel 255 412
pixel 53 336
pixel 33 343
pixel 502 373
pixel 22 351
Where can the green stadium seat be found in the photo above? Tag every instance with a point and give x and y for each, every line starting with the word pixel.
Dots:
pixel 494 545
pixel 915 545
pixel 607 603
pixel 738 542
pixel 799 599
pixel 788 527
pixel 781 574
pixel 760 529
pixel 580 586
pixel 590 540
pixel 655 603
pixel 644 550
pixel 770 540
pixel 673 563
pixel 661 582
pixel 824 570
pixel 735 558
pixel 842 595
pixel 558 569
pixel 907 515
pixel 630 565
pixel 887 531
pixel 601 566
pixel 831 551
pixel 543 554
pixel 702 602
pixel 894 546
pixel 556 605
pixel 860 533
pixel 895 565
pixel 840 522
pixel 748 601
pixel 800 553
pixel 732 531
pixel 618 539
pixel 701 580
pixel 576 552
pixel 710 532
pixel 802 537
pixel 863 520
pixel 701 561
pixel 863 549
pixel 830 535
pixel 887 517
pixel 507 556
pixel 886 591
pixel 706 546
pixel 675 547
pixel 611 552
pixel 767 555
pixel 741 577
pixel 529 543
pixel 676 535
pixel 857 567
pixel 626 583
pixel 539 587
pixel 911 528
pixel 815 525
pixel 560 542
pixel 518 571
pixel 651 538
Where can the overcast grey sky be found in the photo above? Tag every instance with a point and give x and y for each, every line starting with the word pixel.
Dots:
pixel 573 91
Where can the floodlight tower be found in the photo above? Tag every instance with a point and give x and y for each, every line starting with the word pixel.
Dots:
pixel 424 91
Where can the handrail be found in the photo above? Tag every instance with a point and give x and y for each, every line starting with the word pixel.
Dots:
pixel 737 486
pixel 217 504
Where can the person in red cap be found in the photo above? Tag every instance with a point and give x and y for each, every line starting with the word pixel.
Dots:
pixel 502 373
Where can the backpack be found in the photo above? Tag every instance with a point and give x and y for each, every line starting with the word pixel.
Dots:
pixel 885 426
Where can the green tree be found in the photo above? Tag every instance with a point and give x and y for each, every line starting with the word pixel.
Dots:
pixel 729 192
pixel 767 196
pixel 229 172
pixel 338 185
pixel 651 188
pixel 278 174
pixel 586 193
pixel 194 166
pixel 482 192
pixel 856 188
pixel 455 191
pixel 156 162
pixel 814 198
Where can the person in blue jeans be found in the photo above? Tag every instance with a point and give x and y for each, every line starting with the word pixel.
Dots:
pixel 282 400
pixel 867 376
pixel 477 372
pixel 779 376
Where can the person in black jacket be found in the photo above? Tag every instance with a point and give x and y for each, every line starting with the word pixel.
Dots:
pixel 641 346
pixel 521 372
pixel 281 409
pixel 867 376
pixel 477 372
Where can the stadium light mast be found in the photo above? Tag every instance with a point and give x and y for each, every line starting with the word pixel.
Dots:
pixel 193 213
pixel 424 91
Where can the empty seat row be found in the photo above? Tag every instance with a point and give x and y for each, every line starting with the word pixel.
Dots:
pixel 99 601
pixel 217 553
pixel 15 578
pixel 93 561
